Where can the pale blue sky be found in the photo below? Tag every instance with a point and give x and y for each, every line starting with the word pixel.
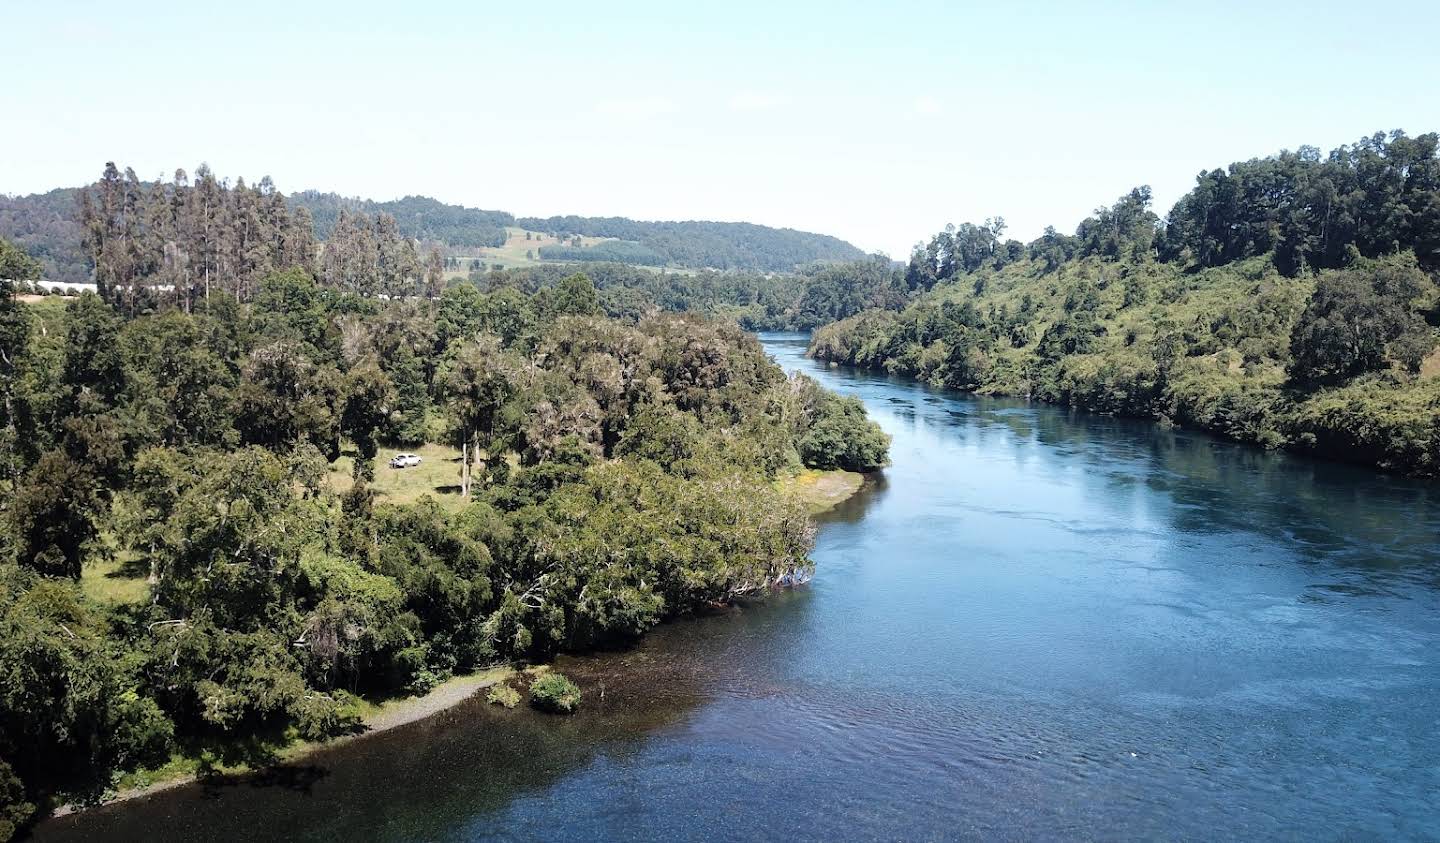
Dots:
pixel 876 122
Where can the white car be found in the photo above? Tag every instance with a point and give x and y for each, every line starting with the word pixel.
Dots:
pixel 404 460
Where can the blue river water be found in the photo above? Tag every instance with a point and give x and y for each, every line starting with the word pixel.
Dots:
pixel 1035 624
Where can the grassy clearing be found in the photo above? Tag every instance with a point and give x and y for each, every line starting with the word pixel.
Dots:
pixel 513 253
pixel 121 579
pixel 821 490
pixel 1430 368
pixel 438 475
pixel 51 305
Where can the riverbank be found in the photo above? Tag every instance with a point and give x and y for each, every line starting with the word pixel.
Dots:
pixel 821 490
pixel 377 717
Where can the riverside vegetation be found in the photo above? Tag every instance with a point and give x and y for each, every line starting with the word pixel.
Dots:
pixel 1288 301
pixel 179 430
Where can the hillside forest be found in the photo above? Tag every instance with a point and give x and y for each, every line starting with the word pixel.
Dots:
pixel 1287 301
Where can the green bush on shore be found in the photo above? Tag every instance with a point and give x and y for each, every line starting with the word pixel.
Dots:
pixel 504 695
pixel 555 693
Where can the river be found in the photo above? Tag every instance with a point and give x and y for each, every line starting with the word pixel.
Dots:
pixel 1035 624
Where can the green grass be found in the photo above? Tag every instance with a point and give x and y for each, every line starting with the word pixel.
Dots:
pixel 122 579
pixel 437 475
pixel 821 490
pixel 512 254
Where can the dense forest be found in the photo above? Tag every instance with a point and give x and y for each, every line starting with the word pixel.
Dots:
pixel 187 428
pixel 606 251
pixel 47 227
pixel 711 245
pixel 800 301
pixel 1288 301
pixel 418 218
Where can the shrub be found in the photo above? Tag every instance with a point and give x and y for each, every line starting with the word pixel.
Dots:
pixel 503 694
pixel 555 693
pixel 843 436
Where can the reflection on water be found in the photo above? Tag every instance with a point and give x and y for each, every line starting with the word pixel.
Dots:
pixel 1034 624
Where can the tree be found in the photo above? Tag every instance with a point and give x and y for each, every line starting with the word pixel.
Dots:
pixel 434 274
pixel 841 436
pixel 69 713
pixel 53 515
pixel 475 386
pixel 576 296
pixel 369 395
pixel 283 398
pixel 1358 319
pixel 15 265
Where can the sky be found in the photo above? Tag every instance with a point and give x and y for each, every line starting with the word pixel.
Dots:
pixel 878 122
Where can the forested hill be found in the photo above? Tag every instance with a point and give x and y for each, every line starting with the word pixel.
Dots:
pixel 1289 301
pixel 702 244
pixel 47 226
pixel 417 217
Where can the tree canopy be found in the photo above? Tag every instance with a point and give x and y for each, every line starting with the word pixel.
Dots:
pixel 616 472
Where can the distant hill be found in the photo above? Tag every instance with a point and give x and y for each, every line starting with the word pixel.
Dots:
pixel 419 217
pixel 701 244
pixel 46 225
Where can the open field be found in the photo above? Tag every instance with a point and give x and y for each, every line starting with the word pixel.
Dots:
pixel 513 253
pixel 821 490
pixel 438 475
pixel 122 579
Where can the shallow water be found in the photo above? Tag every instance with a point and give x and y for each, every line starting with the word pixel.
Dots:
pixel 1035 624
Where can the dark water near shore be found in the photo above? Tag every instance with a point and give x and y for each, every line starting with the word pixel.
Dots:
pixel 1036 624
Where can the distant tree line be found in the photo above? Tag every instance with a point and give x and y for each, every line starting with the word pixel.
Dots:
pixel 615 251
pixel 182 240
pixel 712 245
pixel 1376 197
pixel 192 238
pixel 47 226
pixel 814 296
pixel 417 217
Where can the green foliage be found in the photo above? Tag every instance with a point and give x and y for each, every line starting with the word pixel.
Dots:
pixel 835 432
pixel 1209 318
pixel 555 693
pixel 503 695
pixel 1241 349
pixel 616 251
pixel 69 707
pixel 418 217
pixel 52 515
pixel 1360 319
pixel 718 245
pixel 626 477
pixel 1378 196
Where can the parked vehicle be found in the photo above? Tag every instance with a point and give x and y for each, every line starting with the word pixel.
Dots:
pixel 404 460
